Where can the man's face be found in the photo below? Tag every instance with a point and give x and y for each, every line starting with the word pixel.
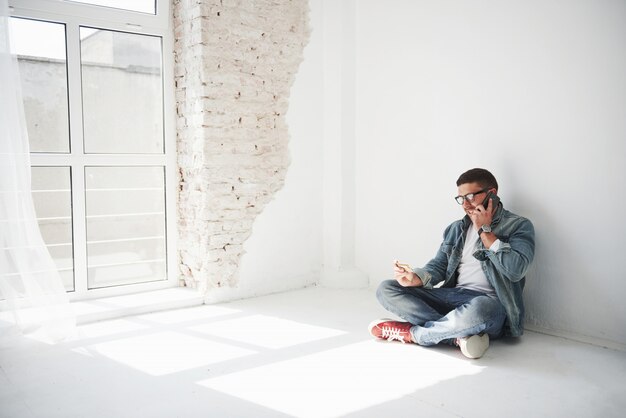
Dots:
pixel 479 196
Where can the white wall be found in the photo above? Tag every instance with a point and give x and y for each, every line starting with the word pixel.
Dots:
pixel 285 249
pixel 535 91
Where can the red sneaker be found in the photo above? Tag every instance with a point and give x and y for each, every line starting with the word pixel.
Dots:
pixel 388 329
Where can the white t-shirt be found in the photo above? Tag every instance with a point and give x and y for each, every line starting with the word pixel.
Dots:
pixel 471 274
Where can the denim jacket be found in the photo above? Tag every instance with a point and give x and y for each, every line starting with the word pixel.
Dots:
pixel 505 269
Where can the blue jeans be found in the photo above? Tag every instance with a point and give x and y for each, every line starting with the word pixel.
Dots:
pixel 443 314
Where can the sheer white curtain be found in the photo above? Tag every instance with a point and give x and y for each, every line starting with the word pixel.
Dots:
pixel 30 286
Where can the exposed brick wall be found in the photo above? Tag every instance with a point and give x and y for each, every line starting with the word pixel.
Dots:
pixel 235 62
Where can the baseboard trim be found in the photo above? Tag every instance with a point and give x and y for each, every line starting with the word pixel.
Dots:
pixel 601 342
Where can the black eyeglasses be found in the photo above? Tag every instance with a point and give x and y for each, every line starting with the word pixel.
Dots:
pixel 469 197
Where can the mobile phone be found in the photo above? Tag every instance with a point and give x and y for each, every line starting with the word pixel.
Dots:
pixel 493 197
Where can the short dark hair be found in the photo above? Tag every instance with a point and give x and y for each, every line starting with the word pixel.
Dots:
pixel 480 176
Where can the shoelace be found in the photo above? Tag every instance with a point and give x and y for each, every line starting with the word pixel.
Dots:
pixel 391 333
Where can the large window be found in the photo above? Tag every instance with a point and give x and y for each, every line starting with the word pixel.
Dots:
pixel 96 82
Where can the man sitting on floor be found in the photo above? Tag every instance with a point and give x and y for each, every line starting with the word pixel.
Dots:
pixel 482 263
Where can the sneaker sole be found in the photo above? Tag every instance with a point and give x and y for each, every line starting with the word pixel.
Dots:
pixel 475 346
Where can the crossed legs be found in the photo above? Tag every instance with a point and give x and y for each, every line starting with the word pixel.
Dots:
pixel 442 314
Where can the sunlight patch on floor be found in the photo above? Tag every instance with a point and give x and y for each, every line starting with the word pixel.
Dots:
pixel 266 331
pixel 364 374
pixel 188 314
pixel 165 352
pixel 107 328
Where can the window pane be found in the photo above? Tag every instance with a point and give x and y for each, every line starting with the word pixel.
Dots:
pixel 40 50
pixel 52 194
pixel 125 225
pixel 122 92
pixel 145 6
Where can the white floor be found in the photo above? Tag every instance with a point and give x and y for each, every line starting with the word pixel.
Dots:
pixel 303 354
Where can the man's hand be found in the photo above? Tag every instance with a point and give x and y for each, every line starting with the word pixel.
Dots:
pixel 481 216
pixel 406 278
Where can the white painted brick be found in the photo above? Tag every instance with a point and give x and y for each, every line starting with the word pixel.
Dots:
pixel 235 62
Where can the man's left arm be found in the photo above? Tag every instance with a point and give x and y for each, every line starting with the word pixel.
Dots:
pixel 513 255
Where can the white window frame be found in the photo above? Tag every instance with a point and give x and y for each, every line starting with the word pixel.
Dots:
pixel 75 15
